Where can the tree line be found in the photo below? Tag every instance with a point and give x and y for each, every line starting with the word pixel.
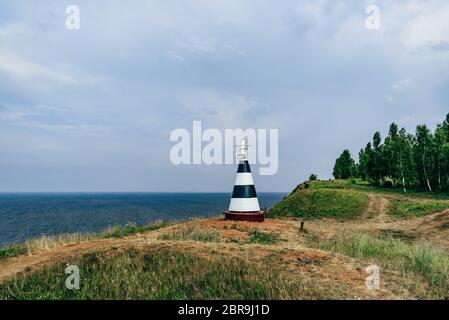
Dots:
pixel 403 160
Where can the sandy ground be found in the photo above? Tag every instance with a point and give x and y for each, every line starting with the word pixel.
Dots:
pixel 326 270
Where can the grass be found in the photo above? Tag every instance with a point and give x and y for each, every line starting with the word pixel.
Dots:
pixel 320 200
pixel 257 236
pixel 131 229
pixel 424 261
pixel 40 244
pixel 47 242
pixel 358 184
pixel 417 207
pixel 44 243
pixel 12 251
pixel 345 199
pixel 156 274
pixel 194 233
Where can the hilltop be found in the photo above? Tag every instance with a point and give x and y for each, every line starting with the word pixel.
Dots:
pixel 348 227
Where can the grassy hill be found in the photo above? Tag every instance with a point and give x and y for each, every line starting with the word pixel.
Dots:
pixel 317 199
pixel 349 226
pixel 345 199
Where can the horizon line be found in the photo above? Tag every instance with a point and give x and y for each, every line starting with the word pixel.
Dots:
pixel 180 192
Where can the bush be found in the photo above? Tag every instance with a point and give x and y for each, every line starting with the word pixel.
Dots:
pixel 257 236
pixel 12 251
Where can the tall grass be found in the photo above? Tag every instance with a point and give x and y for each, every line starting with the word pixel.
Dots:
pixel 132 228
pixel 424 260
pixel 155 274
pixel 41 244
pixel 417 207
pixel 45 243
pixel 12 251
pixel 194 233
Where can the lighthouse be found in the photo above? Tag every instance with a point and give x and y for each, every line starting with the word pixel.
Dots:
pixel 244 204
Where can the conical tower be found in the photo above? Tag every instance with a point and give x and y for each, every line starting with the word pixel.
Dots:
pixel 244 204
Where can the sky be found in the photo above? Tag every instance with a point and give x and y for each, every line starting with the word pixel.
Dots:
pixel 92 109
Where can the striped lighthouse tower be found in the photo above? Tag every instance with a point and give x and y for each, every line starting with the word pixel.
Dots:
pixel 244 203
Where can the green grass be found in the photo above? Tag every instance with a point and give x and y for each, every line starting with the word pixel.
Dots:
pixel 12 251
pixel 422 260
pixel 156 274
pixel 361 185
pixel 257 236
pixel 194 233
pixel 322 199
pixel 417 207
pixel 132 228
pixel 348 199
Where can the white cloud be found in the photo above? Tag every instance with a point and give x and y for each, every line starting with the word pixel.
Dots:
pixel 429 28
pixel 20 68
pixel 29 120
pixel 402 84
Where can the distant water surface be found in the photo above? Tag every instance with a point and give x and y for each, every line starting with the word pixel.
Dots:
pixel 28 215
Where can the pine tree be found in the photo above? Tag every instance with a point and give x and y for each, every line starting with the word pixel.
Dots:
pixel 344 167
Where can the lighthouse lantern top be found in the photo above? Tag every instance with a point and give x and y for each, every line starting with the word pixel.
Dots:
pixel 242 153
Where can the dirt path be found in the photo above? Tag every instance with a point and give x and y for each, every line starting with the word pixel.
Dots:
pixel 433 228
pixel 377 209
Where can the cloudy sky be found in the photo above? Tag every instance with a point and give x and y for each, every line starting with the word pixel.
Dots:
pixel 92 110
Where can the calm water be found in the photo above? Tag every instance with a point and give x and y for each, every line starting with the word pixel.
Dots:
pixel 27 215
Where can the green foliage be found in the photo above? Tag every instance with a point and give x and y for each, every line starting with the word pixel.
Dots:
pixel 322 199
pixel 155 274
pixel 12 251
pixel 417 207
pixel 407 161
pixel 132 228
pixel 257 236
pixel 313 177
pixel 345 167
pixel 423 260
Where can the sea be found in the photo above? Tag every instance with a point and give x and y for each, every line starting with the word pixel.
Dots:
pixel 30 215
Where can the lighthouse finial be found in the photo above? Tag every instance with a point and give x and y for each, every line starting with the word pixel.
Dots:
pixel 242 153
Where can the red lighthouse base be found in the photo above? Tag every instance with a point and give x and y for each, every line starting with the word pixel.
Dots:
pixel 257 216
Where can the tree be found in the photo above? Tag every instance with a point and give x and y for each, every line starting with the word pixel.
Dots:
pixel 405 165
pixel 440 159
pixel 446 127
pixel 344 167
pixel 313 177
pixel 423 154
pixel 392 155
pixel 403 159
pixel 377 158
pixel 363 165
